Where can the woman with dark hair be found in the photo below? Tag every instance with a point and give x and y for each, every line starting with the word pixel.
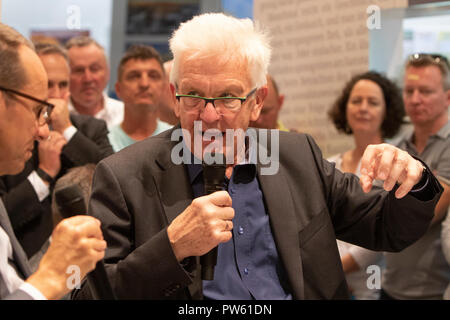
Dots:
pixel 371 108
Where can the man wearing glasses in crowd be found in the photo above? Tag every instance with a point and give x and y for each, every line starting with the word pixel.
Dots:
pixel 24 116
pixel 74 140
pixel 420 271
pixel 276 234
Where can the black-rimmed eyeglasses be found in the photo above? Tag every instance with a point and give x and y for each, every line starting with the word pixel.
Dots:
pixel 221 104
pixel 43 111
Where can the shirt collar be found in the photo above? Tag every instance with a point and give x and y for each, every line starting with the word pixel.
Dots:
pixel 443 133
pixel 195 165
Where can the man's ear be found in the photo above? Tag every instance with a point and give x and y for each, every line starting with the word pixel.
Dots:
pixel 280 101
pixel 261 95
pixel 175 100
pixel 118 92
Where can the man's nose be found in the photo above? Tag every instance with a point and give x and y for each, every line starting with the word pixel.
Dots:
pixel 54 92
pixel 209 113
pixel 87 75
pixel 144 81
pixel 415 97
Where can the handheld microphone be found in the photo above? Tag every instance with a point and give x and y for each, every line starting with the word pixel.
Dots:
pixel 213 180
pixel 70 201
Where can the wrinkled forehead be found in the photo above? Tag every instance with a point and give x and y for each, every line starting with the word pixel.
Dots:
pixel 214 68
pixel 86 54
pixel 423 73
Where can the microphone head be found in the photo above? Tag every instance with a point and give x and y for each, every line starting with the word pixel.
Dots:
pixel 70 201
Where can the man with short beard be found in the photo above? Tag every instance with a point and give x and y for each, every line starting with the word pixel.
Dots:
pixel 24 118
pixel 140 84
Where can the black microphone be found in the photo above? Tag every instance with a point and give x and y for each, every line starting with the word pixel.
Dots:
pixel 70 201
pixel 213 180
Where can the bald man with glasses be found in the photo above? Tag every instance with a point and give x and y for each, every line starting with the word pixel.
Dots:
pixel 73 140
pixel 24 115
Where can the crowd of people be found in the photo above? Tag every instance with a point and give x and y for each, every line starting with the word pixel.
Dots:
pixel 309 231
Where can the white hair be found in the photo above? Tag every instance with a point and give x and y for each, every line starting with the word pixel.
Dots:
pixel 224 38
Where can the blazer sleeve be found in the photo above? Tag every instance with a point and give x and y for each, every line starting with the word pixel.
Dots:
pixel 90 143
pixel 21 203
pixel 376 220
pixel 136 272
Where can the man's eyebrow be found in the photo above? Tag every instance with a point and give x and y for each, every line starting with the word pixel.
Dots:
pixel 227 88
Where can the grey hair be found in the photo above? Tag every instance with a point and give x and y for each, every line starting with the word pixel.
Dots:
pixel 82 41
pixel 225 38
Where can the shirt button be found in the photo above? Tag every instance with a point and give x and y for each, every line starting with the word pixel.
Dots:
pixel 241 230
pixel 245 270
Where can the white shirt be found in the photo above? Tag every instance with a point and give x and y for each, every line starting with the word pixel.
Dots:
pixel 39 186
pixel 112 111
pixel 10 277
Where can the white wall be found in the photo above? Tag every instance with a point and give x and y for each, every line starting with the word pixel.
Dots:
pixel 25 15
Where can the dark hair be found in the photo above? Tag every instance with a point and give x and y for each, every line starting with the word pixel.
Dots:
pixel 139 52
pixel 395 110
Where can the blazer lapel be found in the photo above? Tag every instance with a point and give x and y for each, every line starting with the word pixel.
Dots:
pixel 171 183
pixel 20 258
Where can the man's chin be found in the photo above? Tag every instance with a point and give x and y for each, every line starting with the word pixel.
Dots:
pixel 18 167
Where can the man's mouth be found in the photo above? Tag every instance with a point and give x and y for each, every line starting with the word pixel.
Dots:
pixel 212 134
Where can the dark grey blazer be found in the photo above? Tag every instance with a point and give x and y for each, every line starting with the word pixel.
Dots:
pixel 19 256
pixel 139 191
pixel 32 219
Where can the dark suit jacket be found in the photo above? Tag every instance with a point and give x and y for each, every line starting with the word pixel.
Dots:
pixel 19 256
pixel 139 191
pixel 31 219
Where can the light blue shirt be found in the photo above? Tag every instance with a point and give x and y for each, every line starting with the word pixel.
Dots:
pixel 119 139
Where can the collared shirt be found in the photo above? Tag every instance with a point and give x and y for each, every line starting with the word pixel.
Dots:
pixel 40 187
pixel 119 139
pixel 420 271
pixel 436 153
pixel 248 266
pixel 112 111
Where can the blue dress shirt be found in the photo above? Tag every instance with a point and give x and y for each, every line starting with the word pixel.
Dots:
pixel 248 266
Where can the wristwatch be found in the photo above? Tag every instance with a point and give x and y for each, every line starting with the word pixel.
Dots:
pixel 45 176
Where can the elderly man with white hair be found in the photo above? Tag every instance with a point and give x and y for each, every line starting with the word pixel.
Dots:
pixel 275 230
